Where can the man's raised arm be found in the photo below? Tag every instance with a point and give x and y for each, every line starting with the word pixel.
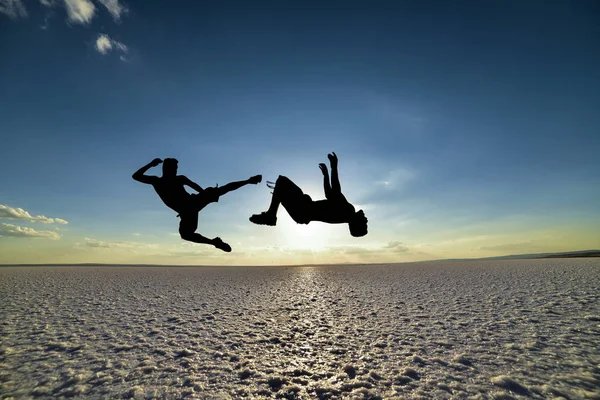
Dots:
pixel 335 180
pixel 139 174
pixel 326 184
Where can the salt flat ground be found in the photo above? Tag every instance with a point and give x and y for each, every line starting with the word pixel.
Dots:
pixel 480 330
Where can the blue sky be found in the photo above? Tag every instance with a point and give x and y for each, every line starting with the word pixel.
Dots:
pixel 463 129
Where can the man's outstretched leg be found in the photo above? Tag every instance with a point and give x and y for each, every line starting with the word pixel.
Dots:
pixel 256 179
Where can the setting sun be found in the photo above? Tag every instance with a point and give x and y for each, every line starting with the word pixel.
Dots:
pixel 314 236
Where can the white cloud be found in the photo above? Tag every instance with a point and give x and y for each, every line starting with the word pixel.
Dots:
pixel 104 45
pixel 80 11
pixel 23 232
pixel 114 8
pixel 7 212
pixel 13 8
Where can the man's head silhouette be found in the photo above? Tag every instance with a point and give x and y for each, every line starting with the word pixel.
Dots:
pixel 170 167
pixel 358 224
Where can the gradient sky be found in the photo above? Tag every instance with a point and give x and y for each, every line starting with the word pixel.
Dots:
pixel 464 129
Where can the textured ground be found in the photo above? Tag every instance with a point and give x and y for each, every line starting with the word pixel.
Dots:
pixel 479 330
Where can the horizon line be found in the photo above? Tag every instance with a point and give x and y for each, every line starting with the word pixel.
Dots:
pixel 567 254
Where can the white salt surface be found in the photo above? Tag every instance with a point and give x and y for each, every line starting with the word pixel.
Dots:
pixel 476 330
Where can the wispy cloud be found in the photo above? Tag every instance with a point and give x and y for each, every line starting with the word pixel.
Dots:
pixel 114 8
pixel 520 247
pixel 13 8
pixel 391 247
pixel 396 247
pixel 104 45
pixel 397 178
pixel 205 252
pixel 89 242
pixel 383 187
pixel 183 249
pixel 12 213
pixel 25 232
pixel 80 11
pixel 46 23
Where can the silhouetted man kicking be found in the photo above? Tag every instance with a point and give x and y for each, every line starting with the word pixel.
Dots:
pixel 334 210
pixel 169 188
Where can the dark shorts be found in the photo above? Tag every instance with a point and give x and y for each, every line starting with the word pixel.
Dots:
pixel 204 198
pixel 196 202
pixel 294 200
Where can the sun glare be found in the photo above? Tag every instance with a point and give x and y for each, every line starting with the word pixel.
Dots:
pixel 313 236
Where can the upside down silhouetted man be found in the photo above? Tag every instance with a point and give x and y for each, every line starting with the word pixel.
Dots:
pixel 335 209
pixel 170 188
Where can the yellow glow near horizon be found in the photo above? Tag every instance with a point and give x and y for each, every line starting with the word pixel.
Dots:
pixel 299 236
pixel 316 243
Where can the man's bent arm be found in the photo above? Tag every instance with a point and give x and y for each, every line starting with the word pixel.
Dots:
pixel 139 174
pixel 192 184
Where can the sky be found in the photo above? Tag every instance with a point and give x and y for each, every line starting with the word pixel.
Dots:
pixel 463 129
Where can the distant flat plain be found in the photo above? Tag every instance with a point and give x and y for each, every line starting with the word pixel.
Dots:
pixel 438 330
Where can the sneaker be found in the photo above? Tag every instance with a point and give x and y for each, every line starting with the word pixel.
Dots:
pixel 256 179
pixel 220 244
pixel 263 219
